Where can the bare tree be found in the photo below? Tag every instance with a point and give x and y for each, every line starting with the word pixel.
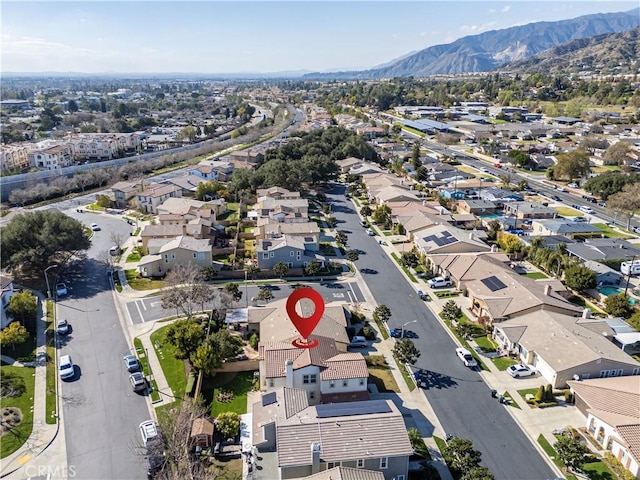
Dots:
pixel 117 239
pixel 181 293
pixel 84 180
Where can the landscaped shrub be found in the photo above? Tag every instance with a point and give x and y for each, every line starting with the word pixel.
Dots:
pixel 568 396
pixel 548 393
pixel 618 469
pixel 376 361
pixel 368 333
pixel 224 397
pixel 11 384
pixel 254 340
pixel 540 394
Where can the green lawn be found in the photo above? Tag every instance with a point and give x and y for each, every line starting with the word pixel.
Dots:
pixel 133 257
pixel 463 341
pixel 237 383
pixel 172 367
pixel 485 344
pixel 14 439
pixel 380 374
pixel 610 232
pixel 512 402
pixel 598 470
pixel 142 283
pixel 404 269
pixel 503 362
pixel 550 451
pixel 406 375
pixel 535 275
pixel 568 212
pixel 50 396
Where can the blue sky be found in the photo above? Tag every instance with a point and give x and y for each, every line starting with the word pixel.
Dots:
pixel 250 36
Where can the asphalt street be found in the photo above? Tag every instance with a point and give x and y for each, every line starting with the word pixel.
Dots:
pixel 459 397
pixel 149 309
pixel 101 413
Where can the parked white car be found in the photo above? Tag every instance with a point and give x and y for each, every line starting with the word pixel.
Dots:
pixel 466 357
pixel 65 367
pixel 520 370
pixel 439 282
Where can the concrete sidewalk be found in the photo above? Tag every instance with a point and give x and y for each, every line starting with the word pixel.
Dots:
pixel 44 452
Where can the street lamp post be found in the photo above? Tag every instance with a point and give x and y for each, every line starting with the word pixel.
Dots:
pixel 246 289
pixel 404 325
pixel 46 278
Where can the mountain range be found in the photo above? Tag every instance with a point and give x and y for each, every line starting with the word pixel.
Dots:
pixel 490 50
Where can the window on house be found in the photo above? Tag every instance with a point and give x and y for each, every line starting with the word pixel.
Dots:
pixel 200 255
pixel 312 395
pixel 361 381
pixel 271 254
pixel 333 465
pixel 345 383
pixel 332 384
pixel 195 254
pixel 265 255
pixel 400 477
pixel 291 253
pixel 383 462
pixel 271 382
pixel 173 256
pixel 305 379
pixel 360 463
pixel 313 378
pixel 635 371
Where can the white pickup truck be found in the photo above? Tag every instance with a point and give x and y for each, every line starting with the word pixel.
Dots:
pixel 439 282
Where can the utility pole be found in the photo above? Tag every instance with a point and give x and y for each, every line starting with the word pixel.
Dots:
pixel 633 259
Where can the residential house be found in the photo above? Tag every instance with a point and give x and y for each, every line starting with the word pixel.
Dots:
pixel 212 170
pixel 170 230
pixel 14 157
pixel 188 184
pixel 529 210
pixel 346 473
pixel 562 347
pixel 366 168
pixel 252 157
pixel 190 208
pixel 605 275
pixel 371 132
pixel 348 163
pixel 154 195
pixel 500 196
pixel 326 374
pixel 308 440
pixel 272 322
pixel 477 207
pixel 182 250
pixel 447 239
pixel 271 210
pixel 548 241
pixel 452 193
pixel 277 193
pixel 276 229
pixel 8 291
pixel 295 251
pixel 410 208
pixel 567 228
pixel 124 193
pixel 51 158
pixel 394 193
pixel 599 249
pixel 465 267
pixel 612 410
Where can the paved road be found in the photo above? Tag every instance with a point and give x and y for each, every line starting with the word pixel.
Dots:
pixel 460 398
pixel 150 308
pixel 101 412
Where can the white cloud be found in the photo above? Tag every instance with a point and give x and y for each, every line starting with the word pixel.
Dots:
pixel 33 46
pixel 504 9
pixel 474 29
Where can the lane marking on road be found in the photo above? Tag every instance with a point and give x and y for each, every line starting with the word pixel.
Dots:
pixel 24 459
pixel 142 303
pixel 139 311
pixel 354 292
pixel 155 304
pixel 350 297
pixel 338 295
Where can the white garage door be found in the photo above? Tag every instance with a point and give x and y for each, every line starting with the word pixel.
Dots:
pixel 544 369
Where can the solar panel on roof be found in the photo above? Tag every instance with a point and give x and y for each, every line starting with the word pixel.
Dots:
pixel 493 284
pixel 268 399
pixel 347 409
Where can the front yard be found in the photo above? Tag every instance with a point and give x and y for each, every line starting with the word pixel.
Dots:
pixel 172 367
pixel 380 374
pixel 139 283
pixel 17 410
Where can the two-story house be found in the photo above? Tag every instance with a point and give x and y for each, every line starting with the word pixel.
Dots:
pixel 51 158
pixel 152 196
pixel 124 193
pixel 307 440
pixel 295 251
pixel 277 193
pixel 181 250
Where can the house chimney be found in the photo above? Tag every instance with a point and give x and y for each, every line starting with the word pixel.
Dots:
pixel 184 229
pixel 547 290
pixel 315 457
pixel 586 313
pixel 494 249
pixel 288 367
pixel 471 236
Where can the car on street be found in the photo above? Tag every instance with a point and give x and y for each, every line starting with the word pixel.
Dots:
pixel 556 198
pixel 484 170
pixel 572 185
pixel 439 282
pixel 561 189
pixel 63 327
pixel 466 357
pixel 150 433
pixel 138 382
pixel 364 223
pixel 422 295
pixel 587 210
pixel 132 363
pixel 636 230
pixel 579 219
pixel 370 232
pixel 66 368
pixel 61 290
pixel 95 227
pixel 602 204
pixel 520 370
pixel 497 165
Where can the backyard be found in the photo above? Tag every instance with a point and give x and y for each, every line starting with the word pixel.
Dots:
pixel 227 391
pixel 15 437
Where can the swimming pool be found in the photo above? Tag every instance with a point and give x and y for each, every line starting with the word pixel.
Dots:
pixel 607 291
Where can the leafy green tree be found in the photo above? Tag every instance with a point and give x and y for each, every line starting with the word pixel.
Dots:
pixel 365 211
pixel 626 202
pixel 312 268
pixel 478 473
pixel 12 334
pixel 341 238
pixel 265 294
pixel 609 183
pixel 103 201
pixel 331 222
pixel 571 452
pixel 409 259
pixel 510 243
pixel 228 424
pixel 415 156
pixel 234 290
pixel 72 106
pixel 519 157
pixel 205 359
pixel 32 241
pixel 634 321
pixel 225 344
pixel 415 437
pixel 618 154
pixel 382 313
pixel 353 255
pixel 252 270
pixel 579 277
pixel 280 269
pixel 185 336
pixel 460 456
pixel 254 340
pixel 405 351
pixel 208 189
pixel 451 311
pixel 187 133
pixel 23 306
pixel 381 215
pixel 493 229
pixel 572 165
pixel 618 306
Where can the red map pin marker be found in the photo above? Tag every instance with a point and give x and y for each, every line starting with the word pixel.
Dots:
pixel 305 325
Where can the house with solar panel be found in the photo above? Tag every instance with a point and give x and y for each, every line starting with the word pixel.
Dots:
pixel 448 239
pixel 296 440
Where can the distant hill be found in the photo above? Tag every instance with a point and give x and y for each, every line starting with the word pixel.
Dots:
pixel 611 50
pixel 490 50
